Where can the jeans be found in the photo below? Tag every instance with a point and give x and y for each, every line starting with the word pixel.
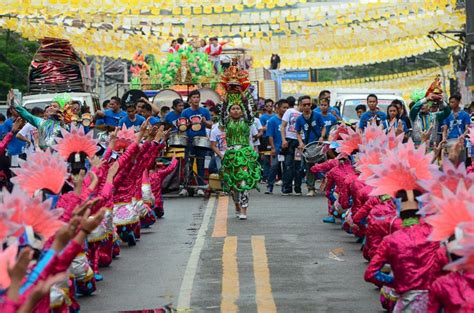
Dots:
pixel 272 173
pixel 215 165
pixel 198 154
pixel 291 169
pixel 310 177
pixel 265 161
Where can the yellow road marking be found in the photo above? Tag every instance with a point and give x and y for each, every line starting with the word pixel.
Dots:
pixel 220 225
pixel 264 296
pixel 230 276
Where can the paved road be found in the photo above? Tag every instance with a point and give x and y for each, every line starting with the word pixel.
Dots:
pixel 278 260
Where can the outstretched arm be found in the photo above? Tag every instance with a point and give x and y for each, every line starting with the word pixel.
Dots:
pixel 33 120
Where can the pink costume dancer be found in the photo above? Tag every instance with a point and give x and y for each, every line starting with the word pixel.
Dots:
pixel 144 194
pixel 453 221
pixel 126 220
pixel 415 260
pixel 156 180
pixel 147 216
pixel 38 224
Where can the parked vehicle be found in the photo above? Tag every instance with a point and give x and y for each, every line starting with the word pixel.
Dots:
pixel 43 100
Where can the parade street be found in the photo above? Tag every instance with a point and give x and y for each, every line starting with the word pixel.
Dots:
pixel 200 258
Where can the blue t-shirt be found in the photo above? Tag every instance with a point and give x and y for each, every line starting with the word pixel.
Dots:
pixel 264 120
pixel 329 121
pixel 457 127
pixel 331 109
pixel 386 125
pixel 317 124
pixel 6 127
pixel 139 120
pixel 16 146
pixel 111 118
pixel 171 118
pixel 273 130
pixel 154 120
pixel 203 112
pixel 367 116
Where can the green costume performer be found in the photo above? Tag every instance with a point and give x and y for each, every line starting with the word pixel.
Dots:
pixel 48 129
pixel 240 167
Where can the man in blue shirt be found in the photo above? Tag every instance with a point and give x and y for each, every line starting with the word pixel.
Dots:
pixel 199 119
pixel 328 118
pixel 458 121
pixel 373 113
pixel 172 116
pixel 312 125
pixel 264 146
pixel 147 113
pixel 274 139
pixel 326 94
pixel 111 116
pixel 132 119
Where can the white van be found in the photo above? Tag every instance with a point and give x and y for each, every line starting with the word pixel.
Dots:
pixel 348 99
pixel 44 99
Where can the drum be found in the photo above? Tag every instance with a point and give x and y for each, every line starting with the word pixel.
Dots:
pixel 178 140
pixel 196 122
pixel 165 98
pixel 313 152
pixel 202 142
pixel 132 96
pixel 182 124
pixel 209 94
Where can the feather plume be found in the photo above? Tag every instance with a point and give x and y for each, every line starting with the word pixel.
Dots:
pixel 391 176
pixel 32 211
pixel 125 136
pixel 7 227
pixel 372 132
pixel 76 141
pixel 350 142
pixel 7 258
pixel 417 159
pixel 452 209
pixel 44 170
pixel 372 155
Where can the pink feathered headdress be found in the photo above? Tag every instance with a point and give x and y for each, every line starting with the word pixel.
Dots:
pixel 44 170
pixel 32 211
pixel 372 132
pixel 350 142
pixel 125 137
pixel 452 209
pixel 76 141
pixel 372 155
pixel 401 169
pixel 449 178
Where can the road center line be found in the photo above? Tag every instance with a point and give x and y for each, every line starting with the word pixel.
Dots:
pixel 220 225
pixel 230 276
pixel 184 297
pixel 264 296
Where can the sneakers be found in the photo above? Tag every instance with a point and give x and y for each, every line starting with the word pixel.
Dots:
pixel 298 194
pixel 269 191
pixel 286 193
pixel 131 240
pixel 279 183
pixel 237 214
pixel 183 193
pixel 98 277
pixel 311 193
pixel 243 217
pixel 200 193
pixel 329 219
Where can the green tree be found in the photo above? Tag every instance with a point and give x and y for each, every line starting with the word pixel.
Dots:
pixel 16 54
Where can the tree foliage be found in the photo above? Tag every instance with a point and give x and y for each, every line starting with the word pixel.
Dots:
pixel 16 54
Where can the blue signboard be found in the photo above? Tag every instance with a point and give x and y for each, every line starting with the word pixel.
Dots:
pixel 297 75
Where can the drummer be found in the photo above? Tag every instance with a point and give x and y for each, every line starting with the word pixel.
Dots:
pixel 172 116
pixel 195 112
pixel 310 127
pixel 147 112
pixel 111 116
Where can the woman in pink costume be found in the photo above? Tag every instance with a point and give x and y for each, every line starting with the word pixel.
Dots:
pixel 156 179
pixel 453 221
pixel 415 260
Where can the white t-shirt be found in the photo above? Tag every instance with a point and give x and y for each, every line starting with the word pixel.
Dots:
pixel 218 136
pixel 29 131
pixel 257 126
pixel 290 117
